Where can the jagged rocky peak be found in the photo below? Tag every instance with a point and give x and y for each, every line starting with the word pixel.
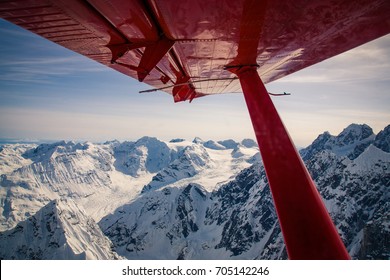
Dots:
pixel 59 230
pixel 354 133
pixel 197 140
pixel 318 144
pixel 322 139
pixel 196 156
pixel 351 142
pixel 382 140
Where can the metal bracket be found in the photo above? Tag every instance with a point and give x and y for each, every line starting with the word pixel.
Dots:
pixel 153 53
pixel 279 94
pixel 119 50
pixel 231 67
pixel 152 56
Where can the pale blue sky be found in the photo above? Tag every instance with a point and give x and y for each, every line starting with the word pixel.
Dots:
pixel 48 92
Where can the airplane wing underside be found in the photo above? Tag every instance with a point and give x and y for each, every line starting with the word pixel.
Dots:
pixel 187 47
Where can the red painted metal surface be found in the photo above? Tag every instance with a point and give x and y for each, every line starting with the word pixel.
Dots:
pixel 293 34
pixel 153 55
pixel 129 17
pixel 285 36
pixel 307 228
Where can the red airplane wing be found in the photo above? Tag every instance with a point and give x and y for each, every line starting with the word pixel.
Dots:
pixel 186 48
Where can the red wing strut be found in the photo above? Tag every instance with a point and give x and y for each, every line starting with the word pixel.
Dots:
pixel 307 228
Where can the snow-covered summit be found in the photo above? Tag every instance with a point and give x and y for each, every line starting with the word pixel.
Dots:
pixel 354 133
pixel 351 142
pixel 147 155
pixel 249 143
pixel 44 152
pixel 228 144
pixel 60 230
pixel 214 145
pixel 197 140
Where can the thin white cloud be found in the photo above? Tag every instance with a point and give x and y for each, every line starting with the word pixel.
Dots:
pixel 42 69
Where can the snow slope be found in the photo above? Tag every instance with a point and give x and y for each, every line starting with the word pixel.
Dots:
pixel 60 230
pixel 237 220
pixel 84 172
pixel 102 177
pixel 187 199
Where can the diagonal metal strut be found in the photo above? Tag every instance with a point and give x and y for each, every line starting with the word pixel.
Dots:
pixel 307 228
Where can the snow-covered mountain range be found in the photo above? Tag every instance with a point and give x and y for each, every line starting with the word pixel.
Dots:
pixel 59 230
pixel 151 199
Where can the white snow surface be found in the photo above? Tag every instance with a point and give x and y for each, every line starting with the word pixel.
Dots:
pixel 102 177
pixel 371 158
pixel 60 230
pixel 188 199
